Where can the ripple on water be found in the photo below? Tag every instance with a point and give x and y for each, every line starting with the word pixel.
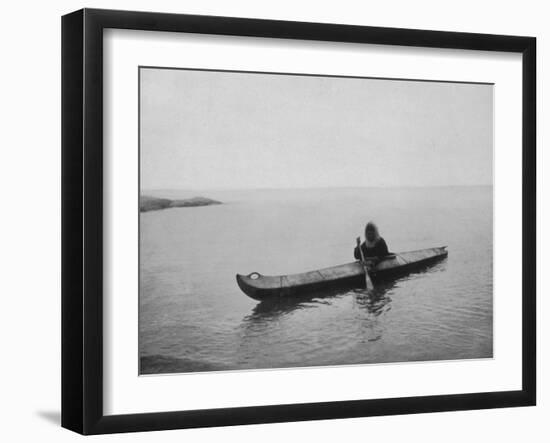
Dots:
pixel 193 317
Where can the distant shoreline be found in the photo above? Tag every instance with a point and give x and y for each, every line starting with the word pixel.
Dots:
pixel 148 203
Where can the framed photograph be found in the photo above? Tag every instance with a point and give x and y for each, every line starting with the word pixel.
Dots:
pixel 269 221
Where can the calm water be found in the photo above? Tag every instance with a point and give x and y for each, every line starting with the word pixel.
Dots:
pixel 193 316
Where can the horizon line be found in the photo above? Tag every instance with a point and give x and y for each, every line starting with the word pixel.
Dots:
pixel 316 187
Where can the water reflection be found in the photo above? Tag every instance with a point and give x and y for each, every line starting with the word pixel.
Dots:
pixel 370 306
pixel 375 301
pixel 268 311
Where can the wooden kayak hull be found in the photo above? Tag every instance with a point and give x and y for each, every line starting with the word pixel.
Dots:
pixel 262 287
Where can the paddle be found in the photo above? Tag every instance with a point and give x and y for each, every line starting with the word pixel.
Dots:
pixel 368 282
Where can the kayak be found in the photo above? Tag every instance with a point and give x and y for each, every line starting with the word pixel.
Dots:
pixel 261 287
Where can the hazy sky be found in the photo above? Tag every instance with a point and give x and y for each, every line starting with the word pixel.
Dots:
pixel 222 130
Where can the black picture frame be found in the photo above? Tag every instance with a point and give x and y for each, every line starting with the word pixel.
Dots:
pixel 82 220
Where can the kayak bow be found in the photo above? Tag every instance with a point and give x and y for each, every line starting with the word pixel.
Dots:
pixel 261 287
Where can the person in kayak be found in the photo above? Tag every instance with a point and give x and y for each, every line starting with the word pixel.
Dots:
pixel 374 245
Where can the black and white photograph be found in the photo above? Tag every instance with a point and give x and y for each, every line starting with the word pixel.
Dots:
pixel 294 221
